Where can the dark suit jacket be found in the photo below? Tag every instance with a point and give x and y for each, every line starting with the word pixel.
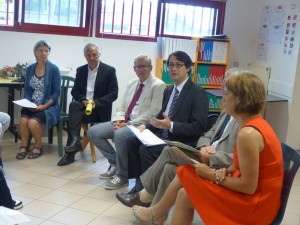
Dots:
pixel 189 115
pixel 105 91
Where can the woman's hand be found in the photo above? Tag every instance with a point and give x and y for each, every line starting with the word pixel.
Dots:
pixel 40 108
pixel 216 175
pixel 141 128
pixel 204 171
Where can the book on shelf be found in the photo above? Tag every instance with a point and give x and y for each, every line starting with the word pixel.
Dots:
pixel 212 51
pixel 210 75
pixel 169 45
pixel 181 154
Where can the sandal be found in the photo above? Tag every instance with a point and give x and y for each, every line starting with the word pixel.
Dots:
pixel 34 155
pixel 22 155
pixel 152 220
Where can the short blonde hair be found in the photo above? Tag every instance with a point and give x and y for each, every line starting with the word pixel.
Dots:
pixel 248 88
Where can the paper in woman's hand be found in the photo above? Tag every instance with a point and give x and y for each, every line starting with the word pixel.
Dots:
pixel 182 146
pixel 25 103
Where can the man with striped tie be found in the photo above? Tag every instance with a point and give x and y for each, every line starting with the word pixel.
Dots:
pixel 182 118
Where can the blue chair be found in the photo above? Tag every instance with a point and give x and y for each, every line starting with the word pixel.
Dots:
pixel 291 159
pixel 211 120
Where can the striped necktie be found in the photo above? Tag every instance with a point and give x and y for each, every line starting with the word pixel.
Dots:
pixel 165 133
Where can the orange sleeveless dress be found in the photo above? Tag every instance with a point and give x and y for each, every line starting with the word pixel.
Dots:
pixel 218 205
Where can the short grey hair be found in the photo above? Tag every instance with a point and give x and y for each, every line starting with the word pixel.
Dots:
pixel 90 45
pixel 142 57
pixel 39 44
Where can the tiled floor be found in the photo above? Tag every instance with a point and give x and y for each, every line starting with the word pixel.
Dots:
pixel 73 194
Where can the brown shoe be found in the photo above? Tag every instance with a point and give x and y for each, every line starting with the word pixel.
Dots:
pixel 131 199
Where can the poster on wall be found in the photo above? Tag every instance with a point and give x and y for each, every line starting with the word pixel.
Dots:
pixel 263 34
pixel 291 24
pixel 271 29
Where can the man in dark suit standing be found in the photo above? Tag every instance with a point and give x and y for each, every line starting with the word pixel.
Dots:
pixel 183 117
pixel 95 81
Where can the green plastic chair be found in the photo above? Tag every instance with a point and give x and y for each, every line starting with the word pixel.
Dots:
pixel 67 83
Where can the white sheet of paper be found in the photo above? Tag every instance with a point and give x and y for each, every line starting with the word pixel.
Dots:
pixel 25 103
pixel 11 217
pixel 146 137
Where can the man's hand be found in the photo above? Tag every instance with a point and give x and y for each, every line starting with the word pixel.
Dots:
pixel 85 102
pixel 141 128
pixel 209 149
pixel 117 124
pixel 205 153
pixel 161 124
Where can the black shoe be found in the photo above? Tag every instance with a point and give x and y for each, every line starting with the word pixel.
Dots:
pixel 17 204
pixel 75 146
pixel 66 159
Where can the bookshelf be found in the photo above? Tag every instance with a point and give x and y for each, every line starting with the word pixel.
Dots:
pixel 210 66
pixel 210 62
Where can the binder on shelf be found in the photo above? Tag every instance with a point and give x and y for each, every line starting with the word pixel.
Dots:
pixel 219 51
pixel 216 75
pixel 212 51
pixel 202 74
pixel 210 75
pixel 169 45
pixel 214 100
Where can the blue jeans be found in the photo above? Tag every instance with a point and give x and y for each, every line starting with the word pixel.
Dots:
pixel 4 123
pixel 5 196
pixel 99 135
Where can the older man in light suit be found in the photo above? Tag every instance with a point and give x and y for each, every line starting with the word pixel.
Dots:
pixel 141 101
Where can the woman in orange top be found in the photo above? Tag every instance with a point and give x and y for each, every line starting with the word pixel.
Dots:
pixel 248 192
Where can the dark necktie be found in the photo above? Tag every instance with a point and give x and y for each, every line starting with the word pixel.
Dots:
pixel 165 134
pixel 221 130
pixel 133 101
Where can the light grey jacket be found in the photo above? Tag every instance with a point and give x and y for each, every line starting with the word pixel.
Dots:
pixel 150 101
pixel 224 151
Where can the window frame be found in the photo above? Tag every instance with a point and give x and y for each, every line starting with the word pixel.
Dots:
pixel 160 20
pixel 51 29
pixel 90 19
pixel 124 36
pixel 203 3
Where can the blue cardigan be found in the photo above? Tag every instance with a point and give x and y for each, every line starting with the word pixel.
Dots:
pixel 52 91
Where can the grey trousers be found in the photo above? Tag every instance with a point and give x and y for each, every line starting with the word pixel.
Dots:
pixel 158 177
pixel 99 135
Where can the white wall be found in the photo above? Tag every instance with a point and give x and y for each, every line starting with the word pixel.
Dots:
pixel 242 22
pixel 67 51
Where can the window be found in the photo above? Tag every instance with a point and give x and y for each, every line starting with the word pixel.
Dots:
pixel 192 18
pixel 121 19
pixel 6 12
pixel 147 19
pixel 134 19
pixel 47 16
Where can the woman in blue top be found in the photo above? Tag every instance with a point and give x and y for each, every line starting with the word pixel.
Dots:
pixel 42 87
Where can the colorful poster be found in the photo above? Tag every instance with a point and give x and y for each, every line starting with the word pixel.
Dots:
pixel 291 24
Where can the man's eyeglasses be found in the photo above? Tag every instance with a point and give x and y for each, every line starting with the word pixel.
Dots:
pixel 142 66
pixel 177 65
